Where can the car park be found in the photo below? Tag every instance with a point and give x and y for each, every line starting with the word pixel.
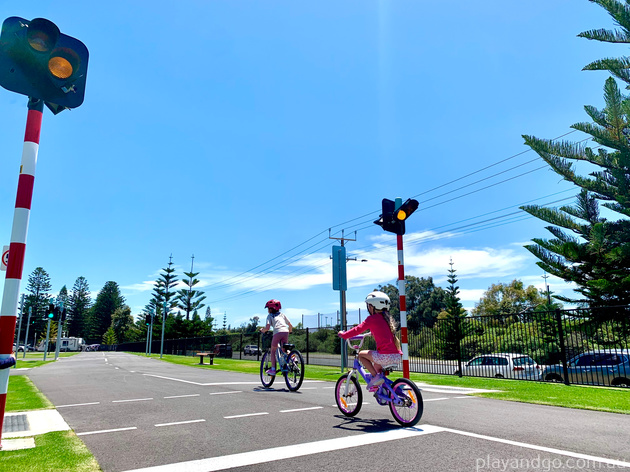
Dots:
pixel 222 350
pixel 251 350
pixel 598 367
pixel 502 365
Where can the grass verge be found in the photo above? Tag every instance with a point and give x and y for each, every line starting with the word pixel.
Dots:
pixel 613 400
pixel 60 451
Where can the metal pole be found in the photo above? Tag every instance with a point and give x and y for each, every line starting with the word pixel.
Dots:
pixel 58 345
pixel 28 325
pixel 46 345
pixel 146 348
pixel 153 312
pixel 17 344
pixel 163 323
pixel 17 247
pixel 403 306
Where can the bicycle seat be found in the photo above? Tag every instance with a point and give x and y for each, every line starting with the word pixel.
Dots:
pixel 390 367
pixel 288 347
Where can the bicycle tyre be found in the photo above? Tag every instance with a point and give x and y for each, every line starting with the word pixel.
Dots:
pixel 295 374
pixel 410 411
pixel 266 364
pixel 349 404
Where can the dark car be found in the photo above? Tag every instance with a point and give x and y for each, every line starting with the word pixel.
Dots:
pixel 601 367
pixel 222 350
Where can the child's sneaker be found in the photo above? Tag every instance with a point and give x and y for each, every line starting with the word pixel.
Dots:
pixel 271 372
pixel 376 381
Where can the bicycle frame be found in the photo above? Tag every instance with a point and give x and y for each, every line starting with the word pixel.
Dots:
pixel 384 393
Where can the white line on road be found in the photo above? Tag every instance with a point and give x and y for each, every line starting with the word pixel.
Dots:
pixel 358 440
pixel 132 400
pixel 286 452
pixel 225 393
pixel 180 422
pixel 551 450
pixel 302 409
pixel 243 416
pixel 435 399
pixel 209 384
pixel 78 404
pixel 106 431
pixel 183 396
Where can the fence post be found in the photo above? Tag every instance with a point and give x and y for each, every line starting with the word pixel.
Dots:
pixel 307 345
pixel 563 354
pixel 240 351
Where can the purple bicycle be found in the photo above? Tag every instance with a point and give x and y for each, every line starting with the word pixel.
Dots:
pixel 402 395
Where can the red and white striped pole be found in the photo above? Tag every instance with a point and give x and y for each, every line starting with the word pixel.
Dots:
pixel 8 310
pixel 403 306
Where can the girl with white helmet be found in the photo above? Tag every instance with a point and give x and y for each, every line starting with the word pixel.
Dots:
pixel 383 329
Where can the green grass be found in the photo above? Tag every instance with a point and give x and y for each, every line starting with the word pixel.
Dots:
pixel 614 400
pixel 59 451
pixel 22 395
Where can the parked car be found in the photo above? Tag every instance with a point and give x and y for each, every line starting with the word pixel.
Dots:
pixel 91 347
pixel 222 350
pixel 502 365
pixel 600 367
pixel 251 350
pixel 29 348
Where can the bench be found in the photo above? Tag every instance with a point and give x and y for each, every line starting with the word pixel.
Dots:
pixel 210 356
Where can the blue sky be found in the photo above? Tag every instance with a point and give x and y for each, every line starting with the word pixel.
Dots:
pixel 243 131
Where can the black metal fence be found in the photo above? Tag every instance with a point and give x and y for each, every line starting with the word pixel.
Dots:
pixel 582 346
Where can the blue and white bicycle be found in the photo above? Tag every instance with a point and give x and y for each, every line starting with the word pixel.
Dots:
pixel 402 395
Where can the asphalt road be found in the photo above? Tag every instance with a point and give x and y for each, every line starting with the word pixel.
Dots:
pixel 138 413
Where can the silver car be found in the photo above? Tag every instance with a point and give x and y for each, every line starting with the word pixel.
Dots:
pixel 601 367
pixel 502 365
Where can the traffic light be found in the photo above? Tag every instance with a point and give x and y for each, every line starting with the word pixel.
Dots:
pixel 37 60
pixel 52 310
pixel 64 312
pixel 147 320
pixel 392 219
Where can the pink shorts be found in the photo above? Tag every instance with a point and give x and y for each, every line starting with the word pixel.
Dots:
pixel 385 359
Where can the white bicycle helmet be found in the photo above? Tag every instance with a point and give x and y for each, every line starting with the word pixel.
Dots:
pixel 378 300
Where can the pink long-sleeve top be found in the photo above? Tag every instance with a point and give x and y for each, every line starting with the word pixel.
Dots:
pixel 379 328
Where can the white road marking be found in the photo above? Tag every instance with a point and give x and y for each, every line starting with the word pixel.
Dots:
pixel 435 399
pixel 180 422
pixel 298 450
pixel 287 452
pixel 106 431
pixel 78 404
pixel 225 393
pixel 132 400
pixel 245 415
pixel 302 409
pixel 183 396
pixel 551 450
pixel 210 384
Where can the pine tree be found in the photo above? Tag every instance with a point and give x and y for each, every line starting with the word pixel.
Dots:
pixel 107 302
pixel 451 328
pixel 587 248
pixel 38 287
pixel 164 295
pixel 78 307
pixel 190 300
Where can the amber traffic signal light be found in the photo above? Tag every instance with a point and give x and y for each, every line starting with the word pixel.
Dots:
pixel 37 60
pixel 393 219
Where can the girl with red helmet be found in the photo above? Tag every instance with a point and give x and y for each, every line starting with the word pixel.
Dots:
pixel 281 329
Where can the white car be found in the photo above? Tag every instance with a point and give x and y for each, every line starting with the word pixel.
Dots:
pixel 251 350
pixel 503 366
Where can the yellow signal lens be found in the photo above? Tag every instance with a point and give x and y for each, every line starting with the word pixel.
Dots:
pixel 40 41
pixel 60 67
pixel 401 215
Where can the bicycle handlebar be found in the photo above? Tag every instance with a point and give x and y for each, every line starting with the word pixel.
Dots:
pixel 360 338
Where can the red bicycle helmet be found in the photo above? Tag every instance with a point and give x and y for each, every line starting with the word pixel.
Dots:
pixel 273 304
